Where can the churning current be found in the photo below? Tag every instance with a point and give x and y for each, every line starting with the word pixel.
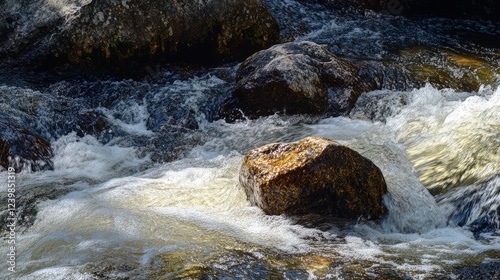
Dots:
pixel 115 211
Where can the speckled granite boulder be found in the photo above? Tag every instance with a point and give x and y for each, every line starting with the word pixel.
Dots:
pixel 127 32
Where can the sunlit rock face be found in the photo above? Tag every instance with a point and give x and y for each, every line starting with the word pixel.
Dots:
pixel 127 32
pixel 313 176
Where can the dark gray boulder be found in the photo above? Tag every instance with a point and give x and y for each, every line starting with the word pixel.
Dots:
pixel 296 78
pixel 126 33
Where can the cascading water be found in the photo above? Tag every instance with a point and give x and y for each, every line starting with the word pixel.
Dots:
pixel 116 206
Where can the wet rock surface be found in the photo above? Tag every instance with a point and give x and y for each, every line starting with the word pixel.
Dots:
pixel 296 78
pixel 22 149
pixel 446 68
pixel 127 33
pixel 486 271
pixel 314 175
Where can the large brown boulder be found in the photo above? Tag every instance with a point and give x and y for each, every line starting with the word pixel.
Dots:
pixel 123 32
pixel 313 176
pixel 296 78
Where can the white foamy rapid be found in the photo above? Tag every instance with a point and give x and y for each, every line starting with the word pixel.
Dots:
pixel 125 217
pixel 451 138
pixel 85 157
pixel 133 120
pixel 192 204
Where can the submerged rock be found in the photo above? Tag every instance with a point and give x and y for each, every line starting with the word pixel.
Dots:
pixel 125 33
pixel 475 207
pixel 443 68
pixel 313 176
pixel 489 223
pixel 486 270
pixel 23 149
pixel 296 78
pixel 91 122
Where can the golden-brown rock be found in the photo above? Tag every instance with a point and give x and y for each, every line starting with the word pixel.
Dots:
pixel 313 176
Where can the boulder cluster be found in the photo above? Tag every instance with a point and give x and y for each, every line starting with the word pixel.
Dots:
pixel 314 175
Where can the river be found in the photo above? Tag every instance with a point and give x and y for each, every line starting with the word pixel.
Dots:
pixel 143 201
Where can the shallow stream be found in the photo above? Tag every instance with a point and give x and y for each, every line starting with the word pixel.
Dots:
pixel 155 195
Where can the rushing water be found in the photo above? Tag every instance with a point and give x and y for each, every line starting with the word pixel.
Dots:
pixel 116 206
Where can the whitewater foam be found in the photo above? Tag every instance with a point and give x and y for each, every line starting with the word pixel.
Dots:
pixel 452 141
pixel 136 213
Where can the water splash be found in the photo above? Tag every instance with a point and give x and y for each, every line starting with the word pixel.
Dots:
pixel 452 139
pixel 132 118
pixel 86 157
pixel 410 206
pixel 475 206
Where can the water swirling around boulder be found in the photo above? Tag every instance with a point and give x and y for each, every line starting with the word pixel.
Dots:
pixel 474 206
pixel 313 176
